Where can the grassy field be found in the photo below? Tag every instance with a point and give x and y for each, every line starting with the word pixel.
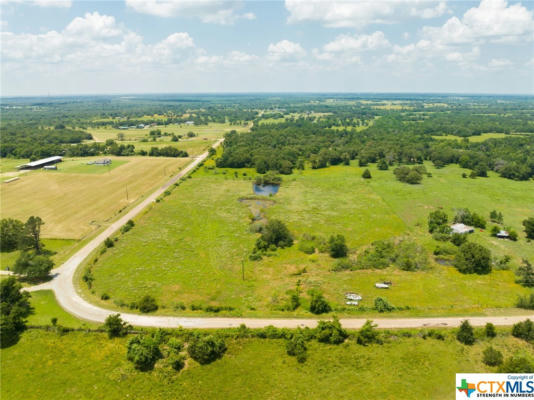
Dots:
pixel 478 138
pixel 60 247
pixel 187 250
pixel 88 365
pixel 74 204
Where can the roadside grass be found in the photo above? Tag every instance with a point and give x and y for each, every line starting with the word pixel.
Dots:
pixel 46 307
pixel 74 205
pixel 191 247
pixel 88 365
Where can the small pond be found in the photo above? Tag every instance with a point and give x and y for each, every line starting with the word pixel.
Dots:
pixel 265 190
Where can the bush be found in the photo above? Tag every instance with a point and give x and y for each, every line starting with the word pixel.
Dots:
pixel 115 326
pixel 436 219
pixel 109 243
pixel 104 296
pixel 206 349
pixel 473 258
pixel 177 362
pixel 366 174
pixel 14 310
pixel 524 330
pixel 318 304
pixel 458 239
pixel 330 332
pixel 382 165
pixel 129 225
pixel 525 274
pixel 517 365
pixel 143 351
pixel 296 347
pixel 368 334
pixel 307 246
pixel 274 233
pixel 409 256
pixel 526 302
pixel 492 357
pixel 379 256
pixel 489 330
pixel 33 266
pixel 175 345
pixel 529 227
pixel 147 304
pixel 343 264
pixel 465 334
pixel 382 305
pixel 337 246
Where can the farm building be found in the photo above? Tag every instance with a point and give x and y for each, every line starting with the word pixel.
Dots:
pixel 461 228
pixel 50 167
pixel 189 122
pixel 41 163
pixel 503 234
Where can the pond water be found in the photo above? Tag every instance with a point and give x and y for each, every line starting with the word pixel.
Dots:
pixel 265 190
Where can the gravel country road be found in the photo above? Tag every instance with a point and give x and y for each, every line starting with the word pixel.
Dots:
pixel 63 286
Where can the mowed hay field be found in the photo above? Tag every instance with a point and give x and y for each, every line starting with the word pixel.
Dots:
pixel 72 204
pixel 191 247
pixel 81 365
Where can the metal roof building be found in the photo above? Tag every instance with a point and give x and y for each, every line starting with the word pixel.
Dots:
pixel 41 163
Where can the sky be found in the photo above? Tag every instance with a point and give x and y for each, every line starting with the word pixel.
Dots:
pixel 70 47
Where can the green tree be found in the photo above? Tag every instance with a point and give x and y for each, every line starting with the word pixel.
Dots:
pixel 517 365
pixel 366 174
pixel 414 177
pixel 143 351
pixel 147 304
pixel 489 330
pixel 368 334
pixel 436 219
pixel 11 233
pixel 14 309
pixel 465 334
pixel 524 330
pixel 296 346
pixel 382 305
pixel 492 357
pixel 525 274
pixel 529 227
pixel 32 233
pixel 109 243
pixel 275 233
pixel 473 258
pixel 458 239
pixel 337 246
pixel 330 332
pixel 115 326
pixel 33 266
pixel 382 165
pixel 205 349
pixel 318 304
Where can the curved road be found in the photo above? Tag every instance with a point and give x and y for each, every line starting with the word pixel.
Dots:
pixel 63 286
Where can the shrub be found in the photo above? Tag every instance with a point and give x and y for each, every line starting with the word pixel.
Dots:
pixel 526 302
pixel 129 225
pixel 436 219
pixel 176 345
pixel 147 304
pixel 458 239
pixel 14 310
pixel 524 330
pixel 296 347
pixel 318 304
pixel 525 274
pixel 492 357
pixel 343 264
pixel 517 365
pixel 529 227
pixel 143 351
pixel 109 243
pixel 115 326
pixel 337 246
pixel 274 233
pixel 104 296
pixel 409 256
pixel 177 361
pixel 473 258
pixel 368 334
pixel 330 332
pixel 307 247
pixel 366 174
pixel 379 256
pixel 489 330
pixel 33 266
pixel 382 165
pixel 465 334
pixel 382 305
pixel 206 349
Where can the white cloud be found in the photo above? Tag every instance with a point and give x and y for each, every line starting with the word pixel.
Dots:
pixel 40 3
pixel 373 41
pixel 359 13
pixel 285 50
pixel 91 42
pixel 500 63
pixel 492 20
pixel 209 11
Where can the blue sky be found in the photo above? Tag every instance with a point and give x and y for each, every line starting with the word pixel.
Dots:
pixel 136 46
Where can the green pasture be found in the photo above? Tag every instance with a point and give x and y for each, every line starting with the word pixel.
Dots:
pixel 89 365
pixel 478 138
pixel 193 246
